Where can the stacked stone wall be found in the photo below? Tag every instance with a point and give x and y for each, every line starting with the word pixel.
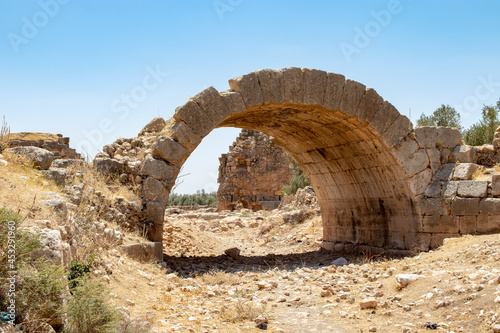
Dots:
pixel 252 174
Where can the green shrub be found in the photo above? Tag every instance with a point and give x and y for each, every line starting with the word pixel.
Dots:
pixel 78 270
pixel 89 310
pixel 299 179
pixel 40 292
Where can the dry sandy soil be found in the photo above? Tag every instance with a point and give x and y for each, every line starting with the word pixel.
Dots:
pixel 283 277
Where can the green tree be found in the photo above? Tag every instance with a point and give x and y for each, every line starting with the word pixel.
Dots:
pixel 299 179
pixel 445 116
pixel 483 131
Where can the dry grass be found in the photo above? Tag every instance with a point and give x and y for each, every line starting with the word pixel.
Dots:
pixel 241 311
pixel 220 278
pixel 32 136
pixel 481 174
pixel 23 188
pixel 108 186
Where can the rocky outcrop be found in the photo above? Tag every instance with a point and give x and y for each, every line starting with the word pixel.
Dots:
pixel 252 174
pixel 57 144
pixel 41 158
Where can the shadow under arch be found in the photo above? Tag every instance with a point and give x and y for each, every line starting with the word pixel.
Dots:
pixel 345 137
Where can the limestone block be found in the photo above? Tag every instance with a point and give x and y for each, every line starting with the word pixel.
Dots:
pixel 41 158
pixel 154 190
pixel 314 86
pixel 182 133
pixel 194 116
pixel 465 206
pixel 351 97
pixel 445 155
pixel 434 189
pixel 446 172
pixel 495 185
pixel 490 206
pixel 249 87
pixel 384 118
pixel 473 188
pixel 420 181
pixel 464 171
pixel 150 251
pixel 415 162
pixel 426 136
pixel 441 224
pixel 271 84
pixel 334 90
pixel 464 154
pixel 405 149
pixel 399 129
pixel 169 150
pixel 434 159
pixel 158 169
pixel 488 223
pixel 212 104
pixel 369 105
pixel 450 189
pixel 467 224
pixel 293 84
pixel 154 126
pixel 433 206
pixel 448 137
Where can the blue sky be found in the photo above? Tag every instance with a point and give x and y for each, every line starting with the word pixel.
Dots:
pixel 67 66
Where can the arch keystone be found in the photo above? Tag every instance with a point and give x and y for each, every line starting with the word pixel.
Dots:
pixel 334 90
pixel 293 84
pixel 314 86
pixel 213 105
pixel 271 84
pixel 249 87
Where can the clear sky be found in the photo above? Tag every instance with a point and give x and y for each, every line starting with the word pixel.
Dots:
pixel 99 70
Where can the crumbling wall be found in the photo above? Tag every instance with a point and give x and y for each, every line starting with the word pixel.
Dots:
pixel 60 147
pixel 252 174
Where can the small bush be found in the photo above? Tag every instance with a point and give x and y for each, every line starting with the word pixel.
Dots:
pixel 89 310
pixel 39 296
pixel 78 270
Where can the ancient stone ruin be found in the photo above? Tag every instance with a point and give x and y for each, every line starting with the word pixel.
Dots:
pixel 252 174
pixel 379 182
pixel 57 144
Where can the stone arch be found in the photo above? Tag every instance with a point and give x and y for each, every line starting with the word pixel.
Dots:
pixel 357 149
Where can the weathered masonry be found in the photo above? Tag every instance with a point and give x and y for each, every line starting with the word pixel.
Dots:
pixel 380 183
pixel 252 173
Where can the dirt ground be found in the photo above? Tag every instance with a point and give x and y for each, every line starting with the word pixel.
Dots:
pixel 283 278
